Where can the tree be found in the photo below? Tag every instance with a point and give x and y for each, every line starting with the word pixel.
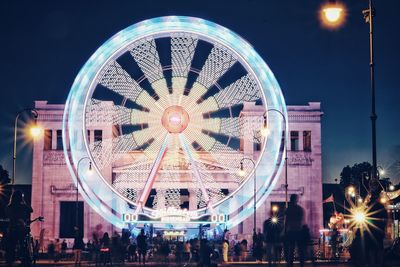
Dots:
pixel 358 176
pixel 4 176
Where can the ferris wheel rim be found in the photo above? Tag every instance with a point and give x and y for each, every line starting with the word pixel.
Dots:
pixel 124 48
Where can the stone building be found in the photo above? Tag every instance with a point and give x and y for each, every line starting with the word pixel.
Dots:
pixel 54 194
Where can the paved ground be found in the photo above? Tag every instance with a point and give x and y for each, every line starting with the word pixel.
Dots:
pixel 231 264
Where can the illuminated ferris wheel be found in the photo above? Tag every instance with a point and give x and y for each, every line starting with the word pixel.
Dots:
pixel 177 103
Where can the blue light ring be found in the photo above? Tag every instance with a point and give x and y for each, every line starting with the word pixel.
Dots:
pixel 267 77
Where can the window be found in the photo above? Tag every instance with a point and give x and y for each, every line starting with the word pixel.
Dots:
pixel 88 136
pixel 294 141
pixel 68 212
pixel 98 135
pixel 59 140
pixel 48 134
pixel 307 141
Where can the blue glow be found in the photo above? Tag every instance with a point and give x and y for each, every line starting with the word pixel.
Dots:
pixel 96 191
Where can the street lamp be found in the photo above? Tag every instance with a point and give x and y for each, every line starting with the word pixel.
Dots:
pixel 265 131
pixel 368 17
pixel 89 172
pixel 242 173
pixel 35 131
pixel 332 14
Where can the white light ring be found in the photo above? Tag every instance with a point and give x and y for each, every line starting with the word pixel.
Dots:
pixel 273 98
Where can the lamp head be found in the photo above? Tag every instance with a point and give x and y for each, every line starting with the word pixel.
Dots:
pixel 90 170
pixel 332 14
pixel 241 171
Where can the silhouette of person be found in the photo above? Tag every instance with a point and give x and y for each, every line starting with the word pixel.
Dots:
pixel 272 235
pixel 373 238
pixel 294 217
pixel 205 253
pixel 105 244
pixel 258 245
pixel 78 247
pixel 142 246
pixel 18 212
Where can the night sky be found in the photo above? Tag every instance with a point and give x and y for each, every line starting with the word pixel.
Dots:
pixel 45 43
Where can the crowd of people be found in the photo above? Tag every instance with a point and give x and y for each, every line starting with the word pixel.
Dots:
pixel 279 237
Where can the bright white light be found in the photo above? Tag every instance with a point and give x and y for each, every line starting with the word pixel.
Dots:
pixel 35 131
pixel 332 14
pixel 382 172
pixel 175 119
pixel 359 216
pixel 264 131
pixel 241 173
pixel 391 187
pixel 274 219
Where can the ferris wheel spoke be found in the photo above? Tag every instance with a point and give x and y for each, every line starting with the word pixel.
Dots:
pixel 196 172
pixel 146 55
pixel 217 63
pixel 153 174
pixel 183 48
pixel 243 90
pixel 118 80
pixel 231 127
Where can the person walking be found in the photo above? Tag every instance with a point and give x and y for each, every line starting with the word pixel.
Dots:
pixel 294 217
pixel 142 247
pixel 78 247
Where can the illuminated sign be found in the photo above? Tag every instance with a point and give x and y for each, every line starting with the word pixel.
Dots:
pixel 179 217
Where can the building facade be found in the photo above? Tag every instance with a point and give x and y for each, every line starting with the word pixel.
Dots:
pixel 54 194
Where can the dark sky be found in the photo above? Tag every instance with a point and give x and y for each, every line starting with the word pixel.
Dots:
pixel 45 43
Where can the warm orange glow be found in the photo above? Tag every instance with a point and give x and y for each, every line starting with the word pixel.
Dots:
pixel 241 172
pixel 35 131
pixel 275 208
pixel 333 15
pixel 264 131
pixel 351 190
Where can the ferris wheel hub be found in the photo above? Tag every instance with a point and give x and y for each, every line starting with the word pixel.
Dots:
pixel 175 119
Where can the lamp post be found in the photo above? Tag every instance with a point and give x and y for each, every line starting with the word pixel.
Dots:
pixel 77 189
pixel 35 131
pixel 368 17
pixel 265 132
pixel 242 173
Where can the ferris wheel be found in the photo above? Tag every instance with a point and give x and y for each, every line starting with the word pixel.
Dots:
pixel 177 103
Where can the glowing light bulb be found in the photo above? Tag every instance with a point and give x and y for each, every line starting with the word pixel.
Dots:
pixel 275 208
pixel 359 216
pixel 264 131
pixel 35 131
pixel 332 13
